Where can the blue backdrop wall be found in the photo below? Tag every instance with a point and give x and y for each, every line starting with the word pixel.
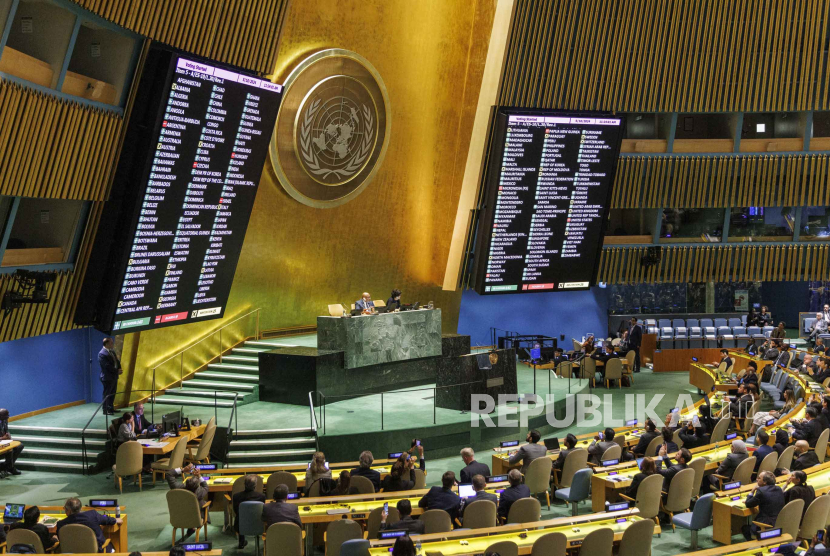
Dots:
pixel 49 370
pixel 570 313
pixel 785 300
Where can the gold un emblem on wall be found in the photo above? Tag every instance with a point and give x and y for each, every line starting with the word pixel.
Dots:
pixel 332 128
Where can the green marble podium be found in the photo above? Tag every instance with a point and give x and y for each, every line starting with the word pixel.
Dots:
pixel 385 338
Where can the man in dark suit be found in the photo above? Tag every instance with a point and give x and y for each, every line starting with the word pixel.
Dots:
pixel 406 523
pixel 89 518
pixel 516 491
pixel 280 511
pixel 479 484
pixel 249 494
pixel 14 453
pixel 808 429
pixel 472 467
pixel 803 457
pixel 365 303
pixel 528 452
pixel 570 442
pixel 740 404
pixel 645 439
pixel 724 358
pixel 442 498
pixel 769 350
pixel 110 369
pixel 683 458
pixel 822 371
pixel 728 465
pixel 768 498
pixel 194 483
pixel 635 339
pixel 763 450
pixel 602 442
pixel 365 470
pixel 142 424
pixel 751 374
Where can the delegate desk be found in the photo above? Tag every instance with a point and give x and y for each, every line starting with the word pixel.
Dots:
pixel 117 534
pixel 222 480
pixel 476 541
pixel 165 445
pixel 751 548
pixel 705 377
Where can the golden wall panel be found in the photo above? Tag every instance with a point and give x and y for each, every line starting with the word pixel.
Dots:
pixel 240 32
pixel 668 55
pixel 716 263
pixel 51 147
pixel 297 259
pixel 721 181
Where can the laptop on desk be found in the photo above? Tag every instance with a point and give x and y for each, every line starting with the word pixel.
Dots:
pixel 13 513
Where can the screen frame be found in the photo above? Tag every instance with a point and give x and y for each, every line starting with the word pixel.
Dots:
pixel 499 118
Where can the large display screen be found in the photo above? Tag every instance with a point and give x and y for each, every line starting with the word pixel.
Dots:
pixel 200 154
pixel 548 186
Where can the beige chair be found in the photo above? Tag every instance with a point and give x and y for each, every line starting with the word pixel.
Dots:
pixel 129 461
pixel 769 463
pixel 745 423
pixel 238 486
pixel 420 479
pixel 280 478
pixel 636 539
pixel 436 521
pixel 314 489
pixel 742 474
pixel 551 544
pixel 25 536
pixel 649 494
pixel 589 370
pixel 719 432
pixel 785 460
pixel 537 477
pixel 653 447
pixel 630 357
pixel 336 309
pixel 185 513
pixel 286 540
pixel 614 452
pixel 565 369
pixel 788 518
pixel 577 345
pixel 575 460
pixel 598 542
pixel 815 518
pixel 675 437
pixel 339 532
pixel 613 371
pixel 203 446
pixel 524 510
pixel 503 548
pixel 362 484
pixel 821 445
pixel 680 494
pixel 480 514
pixel 375 516
pixel 79 539
pixel 175 460
pixel 699 465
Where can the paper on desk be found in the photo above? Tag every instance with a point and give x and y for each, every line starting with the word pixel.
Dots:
pixel 5 442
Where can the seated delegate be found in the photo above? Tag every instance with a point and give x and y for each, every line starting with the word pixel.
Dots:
pixel 365 304
pixel 89 518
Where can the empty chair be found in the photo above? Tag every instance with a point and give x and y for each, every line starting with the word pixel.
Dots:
pixel 636 539
pixel 578 491
pixel 695 337
pixel 526 510
pixel 666 338
pixel 699 465
pixel 589 369
pixel 690 323
pixel 537 478
pixel 739 332
pixel 575 460
pixel 175 460
pixel 648 496
pixel 503 548
pixel 675 437
pixel 785 460
pixel 815 517
pixel 362 484
pixel 373 521
pixel 697 519
pixel 651 322
pixel 767 331
pixel 339 532
pixel 743 319
pixel 719 432
pixel 204 444
pixel 664 323
pixel 721 322
pixel 286 539
pixel 355 547
pixel 706 322
pixel 769 463
pixel 631 357
pixel 746 422
pixel 577 345
pixel 25 536
pixel 80 539
pixel 735 321
pixel 436 521
pixel 821 445
pixel 710 337
pixel 727 340
pixel 280 478
pixel 129 461
pixel 678 323
pixel 788 518
pixel 753 331
pixel 599 542
pixel 420 479
pixel 680 493
pixel 565 369
pixel 481 514
pixel 613 371
pixel 681 337
pixel 551 544
pixel 250 521
pixel 185 513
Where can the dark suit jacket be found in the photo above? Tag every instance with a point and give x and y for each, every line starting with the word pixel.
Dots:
pixel 631 491
pixel 728 361
pixel 408 523
pixel 762 452
pixel 804 492
pixel 440 499
pixel 474 468
pixel 740 406
pixel 481 495
pixel 510 495
pixel 750 379
pixel 809 431
pixel 109 365
pixel 141 423
pixel 91 519
pixel 804 461
pixel 360 304
pixel 769 499
pixel 645 440
pixel 281 512
pixel 752 350
pixel 671 447
pixel 694 439
pixel 390 484
pixel 245 496
pixel 635 336
pixel 38 529
pixel 596 449
pixel 370 474
pixel 526 454
pixel 559 463
pixel 728 465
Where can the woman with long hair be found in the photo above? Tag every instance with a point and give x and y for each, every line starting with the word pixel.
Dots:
pixel 404 547
pixel 317 469
pixel 647 468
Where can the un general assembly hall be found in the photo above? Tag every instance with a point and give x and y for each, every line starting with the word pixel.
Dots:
pixel 430 278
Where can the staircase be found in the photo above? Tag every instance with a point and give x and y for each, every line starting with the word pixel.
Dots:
pixel 237 374
pixel 263 448
pixel 57 449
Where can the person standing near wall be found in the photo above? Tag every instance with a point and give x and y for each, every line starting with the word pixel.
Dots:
pixel 635 338
pixel 110 369
pixel 14 453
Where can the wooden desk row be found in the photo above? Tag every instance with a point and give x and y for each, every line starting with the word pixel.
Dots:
pixel 166 445
pixel 222 480
pixel 117 534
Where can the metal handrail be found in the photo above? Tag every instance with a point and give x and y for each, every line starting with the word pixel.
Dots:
pixel 313 417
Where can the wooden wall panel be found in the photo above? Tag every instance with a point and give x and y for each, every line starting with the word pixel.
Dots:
pixel 240 32
pixel 721 181
pixel 716 263
pixel 668 55
pixel 54 148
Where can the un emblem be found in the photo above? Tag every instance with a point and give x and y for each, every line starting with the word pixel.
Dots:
pixel 332 129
